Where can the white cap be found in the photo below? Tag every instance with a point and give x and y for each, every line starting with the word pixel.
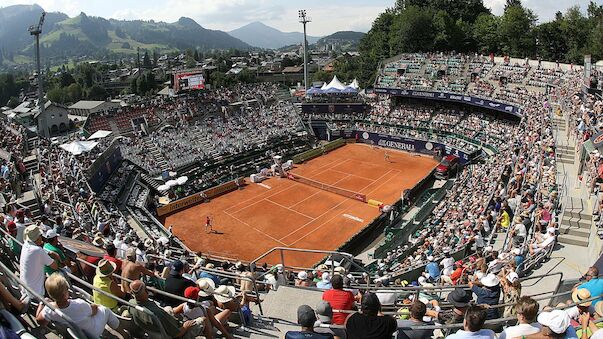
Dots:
pixel 557 320
pixel 516 251
pixel 422 280
pixel 303 275
pixel 430 258
pixel 551 230
pixel 326 276
pixel 512 277
pixel 51 233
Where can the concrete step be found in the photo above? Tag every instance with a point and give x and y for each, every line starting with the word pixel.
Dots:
pixel 577 212
pixel 575 223
pixel 573 240
pixel 578 232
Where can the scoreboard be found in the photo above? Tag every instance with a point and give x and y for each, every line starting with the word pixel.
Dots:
pixel 188 80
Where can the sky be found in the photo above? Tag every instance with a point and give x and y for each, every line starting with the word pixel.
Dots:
pixel 327 16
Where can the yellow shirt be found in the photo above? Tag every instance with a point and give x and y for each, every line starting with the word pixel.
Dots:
pixel 505 220
pixel 104 284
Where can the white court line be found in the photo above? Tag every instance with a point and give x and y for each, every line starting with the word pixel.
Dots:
pixel 294 211
pixel 349 216
pixel 264 185
pixel 319 226
pixel 264 233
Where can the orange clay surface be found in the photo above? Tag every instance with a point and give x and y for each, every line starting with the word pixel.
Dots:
pixel 285 213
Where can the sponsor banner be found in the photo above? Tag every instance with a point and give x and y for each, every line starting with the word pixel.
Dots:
pixel 454 97
pixel 334 108
pixel 410 145
pixel 197 198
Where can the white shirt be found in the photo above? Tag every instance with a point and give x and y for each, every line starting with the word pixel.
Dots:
pixel 520 230
pixel 386 297
pixel 20 230
pixel 31 264
pixel 448 265
pixel 81 313
pixel 193 313
pixel 519 330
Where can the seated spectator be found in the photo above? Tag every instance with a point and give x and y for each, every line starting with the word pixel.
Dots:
pixel 511 287
pixel 433 269
pixel 460 299
pixel 306 318
pixel 475 317
pixel 555 324
pixel 370 323
pixel 302 279
pixel 339 299
pixel 156 319
pixel 417 312
pixel 324 316
pixel 206 274
pixel 176 283
pixel 10 302
pixel 541 242
pixel 488 293
pixel 34 259
pixel 325 282
pixel 193 311
pixel 593 283
pixel 526 311
pixel 105 281
pixel 91 318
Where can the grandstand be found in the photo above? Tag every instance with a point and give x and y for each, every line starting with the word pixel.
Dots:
pixel 359 210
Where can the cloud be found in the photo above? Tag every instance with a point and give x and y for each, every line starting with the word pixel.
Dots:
pixel 69 7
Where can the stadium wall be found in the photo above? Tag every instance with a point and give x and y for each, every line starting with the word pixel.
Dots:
pixel 198 197
pixel 318 151
pixel 101 169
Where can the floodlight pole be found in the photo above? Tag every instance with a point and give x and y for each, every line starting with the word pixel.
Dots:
pixel 303 19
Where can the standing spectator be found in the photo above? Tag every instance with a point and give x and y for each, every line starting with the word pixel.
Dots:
pixel 111 256
pixel 417 312
pixel 371 323
pixel 105 281
pixel 324 315
pixel 306 319
pixel 339 299
pixel 133 270
pixel 511 292
pixel 34 258
pixel 526 311
pixel 488 293
pixel 475 317
pixel 593 283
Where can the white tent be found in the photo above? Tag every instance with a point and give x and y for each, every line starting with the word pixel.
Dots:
pixel 100 134
pixel 182 180
pixel 354 84
pixel 324 86
pixel 79 147
pixel 171 183
pixel 336 84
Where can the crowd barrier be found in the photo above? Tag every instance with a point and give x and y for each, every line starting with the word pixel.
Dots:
pixel 198 197
pixel 316 152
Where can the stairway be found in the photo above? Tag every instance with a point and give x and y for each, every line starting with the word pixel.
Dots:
pixel 575 223
pixel 566 154
pixel 150 181
pixel 161 161
pixel 30 201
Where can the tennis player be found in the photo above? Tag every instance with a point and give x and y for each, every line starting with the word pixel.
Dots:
pixel 208 226
pixel 386 157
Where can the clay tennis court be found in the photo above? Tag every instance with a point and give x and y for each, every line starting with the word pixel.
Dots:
pixel 282 212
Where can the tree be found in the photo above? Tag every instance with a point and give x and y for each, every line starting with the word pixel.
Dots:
pixel 66 79
pixel 485 33
pixel 549 42
pixel 57 94
pixel 575 31
pixel 516 30
pixel 74 91
pixel 97 92
pixel 412 31
pixel 146 60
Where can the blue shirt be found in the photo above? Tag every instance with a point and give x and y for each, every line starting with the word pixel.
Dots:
pixel 324 285
pixel 490 296
pixel 307 335
pixel 433 269
pixel 481 334
pixel 210 276
pixel 595 287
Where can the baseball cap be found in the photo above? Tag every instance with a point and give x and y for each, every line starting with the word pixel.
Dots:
pixel 370 302
pixel 51 233
pixel 306 316
pixel 191 292
pixel 324 311
pixel 557 320
pixel 177 266
pixel 512 277
pixel 131 252
pixel 303 275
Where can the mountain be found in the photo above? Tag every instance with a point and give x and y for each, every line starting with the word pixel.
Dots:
pixel 64 37
pixel 15 20
pixel 258 34
pixel 341 41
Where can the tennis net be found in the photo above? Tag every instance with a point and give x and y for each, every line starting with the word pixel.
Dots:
pixel 326 187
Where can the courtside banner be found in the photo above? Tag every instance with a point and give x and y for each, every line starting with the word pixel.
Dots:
pixel 409 145
pixel 454 97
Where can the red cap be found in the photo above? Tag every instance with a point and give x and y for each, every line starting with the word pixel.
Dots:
pixel 11 227
pixel 191 292
pixel 20 213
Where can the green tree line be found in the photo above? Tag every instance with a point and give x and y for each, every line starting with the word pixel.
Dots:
pixel 468 26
